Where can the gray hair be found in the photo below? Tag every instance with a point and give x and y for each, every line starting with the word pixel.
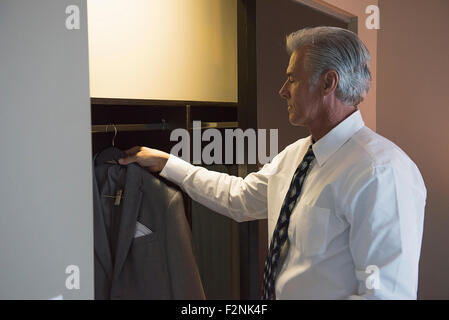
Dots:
pixel 331 48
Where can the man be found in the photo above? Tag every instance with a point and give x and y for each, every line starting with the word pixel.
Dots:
pixel 345 206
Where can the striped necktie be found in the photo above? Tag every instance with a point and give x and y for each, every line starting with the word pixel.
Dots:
pixel 280 233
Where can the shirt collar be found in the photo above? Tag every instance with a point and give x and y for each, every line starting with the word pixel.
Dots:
pixel 334 139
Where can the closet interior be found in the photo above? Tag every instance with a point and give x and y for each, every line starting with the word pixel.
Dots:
pixel 222 247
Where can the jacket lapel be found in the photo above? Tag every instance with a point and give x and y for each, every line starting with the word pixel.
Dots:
pixel 131 204
pixel 101 243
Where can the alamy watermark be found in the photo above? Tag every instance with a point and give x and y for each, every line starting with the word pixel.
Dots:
pixel 373 280
pixel 373 20
pixel 212 153
pixel 72 21
pixel 73 280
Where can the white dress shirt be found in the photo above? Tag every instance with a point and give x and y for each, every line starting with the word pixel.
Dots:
pixel 360 214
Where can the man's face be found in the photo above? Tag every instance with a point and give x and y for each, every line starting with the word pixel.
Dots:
pixel 302 101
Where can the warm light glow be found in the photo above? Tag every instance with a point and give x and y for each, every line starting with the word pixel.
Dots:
pixel 163 49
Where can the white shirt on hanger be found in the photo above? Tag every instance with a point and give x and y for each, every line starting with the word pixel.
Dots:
pixel 356 230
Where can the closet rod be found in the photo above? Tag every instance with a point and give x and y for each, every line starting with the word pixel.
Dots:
pixel 206 125
pixel 129 127
pixel 103 128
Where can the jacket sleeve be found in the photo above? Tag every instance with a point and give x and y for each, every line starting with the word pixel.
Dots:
pixel 184 275
pixel 237 198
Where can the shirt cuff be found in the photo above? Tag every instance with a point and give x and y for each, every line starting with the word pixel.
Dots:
pixel 175 169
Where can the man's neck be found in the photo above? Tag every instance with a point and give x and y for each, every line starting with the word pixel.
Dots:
pixel 322 126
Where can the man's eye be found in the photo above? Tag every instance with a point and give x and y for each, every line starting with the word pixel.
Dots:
pixel 291 80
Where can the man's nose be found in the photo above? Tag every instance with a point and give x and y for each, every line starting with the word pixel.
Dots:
pixel 283 92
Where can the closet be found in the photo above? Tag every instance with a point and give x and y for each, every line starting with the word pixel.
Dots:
pixel 204 48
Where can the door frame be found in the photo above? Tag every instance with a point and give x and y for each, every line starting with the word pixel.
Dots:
pixel 334 11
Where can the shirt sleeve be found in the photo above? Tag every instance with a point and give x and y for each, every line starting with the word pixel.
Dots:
pixel 386 216
pixel 237 198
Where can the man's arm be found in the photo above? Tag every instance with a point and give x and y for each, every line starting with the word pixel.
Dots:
pixel 235 197
pixel 239 199
pixel 386 215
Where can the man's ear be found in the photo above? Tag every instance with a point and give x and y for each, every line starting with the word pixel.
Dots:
pixel 330 80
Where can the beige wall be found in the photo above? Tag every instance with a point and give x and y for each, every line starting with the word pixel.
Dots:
pixel 170 49
pixel 413 111
pixel 369 38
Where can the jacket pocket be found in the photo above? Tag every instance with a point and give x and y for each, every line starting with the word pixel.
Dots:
pixel 145 239
pixel 311 226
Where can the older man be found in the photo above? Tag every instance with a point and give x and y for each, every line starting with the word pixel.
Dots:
pixel 345 206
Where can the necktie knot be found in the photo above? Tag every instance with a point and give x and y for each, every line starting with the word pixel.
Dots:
pixel 309 156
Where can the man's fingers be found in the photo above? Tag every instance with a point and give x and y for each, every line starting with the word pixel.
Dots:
pixel 132 150
pixel 131 156
pixel 127 160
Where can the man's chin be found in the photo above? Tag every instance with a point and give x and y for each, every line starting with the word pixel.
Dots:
pixel 294 121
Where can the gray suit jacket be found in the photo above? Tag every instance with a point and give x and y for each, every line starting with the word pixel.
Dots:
pixel 159 265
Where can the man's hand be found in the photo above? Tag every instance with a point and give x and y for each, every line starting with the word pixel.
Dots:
pixel 151 159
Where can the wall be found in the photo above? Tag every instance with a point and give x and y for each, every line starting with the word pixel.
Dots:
pixel 46 181
pixel 412 111
pixel 171 49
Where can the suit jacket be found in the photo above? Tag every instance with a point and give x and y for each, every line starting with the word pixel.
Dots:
pixel 158 265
